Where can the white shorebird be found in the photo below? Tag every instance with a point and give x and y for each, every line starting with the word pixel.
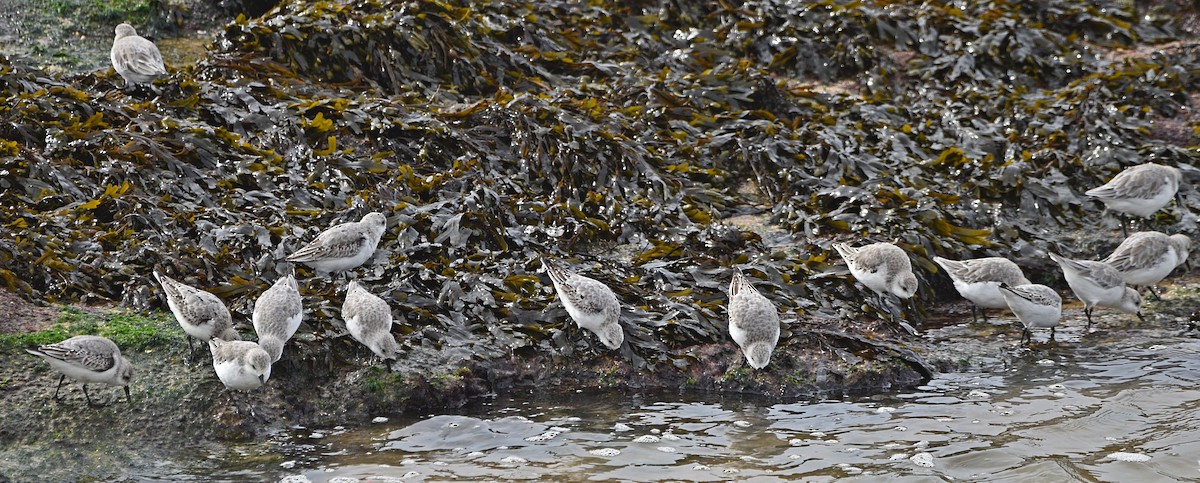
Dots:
pixel 136 59
pixel 979 279
pixel 881 267
pixel 343 246
pixel 1099 284
pixel 201 314
pixel 753 321
pixel 87 358
pixel 1139 190
pixel 590 303
pixel 1147 257
pixel 1036 306
pixel 277 315
pixel 241 365
pixel 885 269
pixel 369 320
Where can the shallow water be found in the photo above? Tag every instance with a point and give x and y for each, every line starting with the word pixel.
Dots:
pixel 1101 408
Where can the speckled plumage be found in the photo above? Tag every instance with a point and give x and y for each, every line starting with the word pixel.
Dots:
pixel 369 319
pixel 979 279
pixel 201 314
pixel 343 246
pixel 1139 190
pixel 591 304
pixel 240 365
pixel 1098 284
pixel 1035 305
pixel 277 315
pixel 753 321
pixel 87 358
pixel 1147 257
pixel 881 267
pixel 136 59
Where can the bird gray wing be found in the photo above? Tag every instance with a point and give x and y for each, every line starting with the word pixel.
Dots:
pixel 201 306
pixel 341 241
pixel 1137 252
pixel 141 57
pixel 1132 184
pixel 1103 274
pixel 592 296
pixel 90 353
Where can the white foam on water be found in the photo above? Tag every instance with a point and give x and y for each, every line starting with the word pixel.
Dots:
pixel 1130 457
pixel 886 409
pixel 647 438
pixel 607 452
pixel 622 427
pixel 924 460
pixel 514 460
pixel 666 449
pixel 742 424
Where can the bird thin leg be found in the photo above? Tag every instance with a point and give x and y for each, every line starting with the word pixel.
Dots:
pixel 1026 336
pixel 1088 312
pixel 60 382
pixel 1152 292
pixel 88 397
pixel 974 318
pixel 128 396
pixel 1052 333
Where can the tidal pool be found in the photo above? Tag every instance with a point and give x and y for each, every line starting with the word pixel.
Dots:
pixel 1108 406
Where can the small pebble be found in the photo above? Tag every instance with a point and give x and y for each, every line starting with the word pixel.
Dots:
pixel 379 420
pixel 316 435
pixel 287 465
pixel 699 468
pixel 742 424
pixel 666 449
pixel 1045 362
pixel 622 427
pixel 411 474
pixel 886 409
pixel 817 434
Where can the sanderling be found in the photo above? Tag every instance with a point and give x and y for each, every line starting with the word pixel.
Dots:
pixel 753 321
pixel 201 314
pixel 87 358
pixel 882 267
pixel 979 279
pixel 1139 190
pixel 1035 305
pixel 370 321
pixel 277 314
pixel 1147 257
pixel 136 59
pixel 240 364
pixel 590 303
pixel 885 269
pixel 1099 284
pixel 343 246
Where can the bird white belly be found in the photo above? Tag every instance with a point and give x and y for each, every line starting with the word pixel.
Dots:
pixel 983 294
pixel 876 280
pixel 1142 207
pixel 339 264
pixel 235 376
pixel 1092 294
pixel 1152 274
pixel 80 373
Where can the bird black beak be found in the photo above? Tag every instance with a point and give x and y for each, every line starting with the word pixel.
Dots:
pixel 1141 317
pixel 262 378
pixel 128 397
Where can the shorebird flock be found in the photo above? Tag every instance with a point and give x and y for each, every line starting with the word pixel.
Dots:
pixel 1142 260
